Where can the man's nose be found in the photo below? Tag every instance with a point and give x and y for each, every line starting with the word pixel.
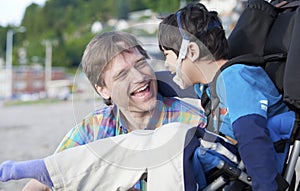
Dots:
pixel 136 75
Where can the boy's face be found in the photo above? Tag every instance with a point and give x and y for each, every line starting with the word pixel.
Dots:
pixel 130 82
pixel 171 60
pixel 185 69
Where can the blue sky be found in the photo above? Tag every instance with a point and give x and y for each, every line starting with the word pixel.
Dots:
pixel 12 11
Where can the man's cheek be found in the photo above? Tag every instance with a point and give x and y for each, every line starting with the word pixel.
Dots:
pixel 120 94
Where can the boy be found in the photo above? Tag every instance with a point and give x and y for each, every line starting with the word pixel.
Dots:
pixel 244 96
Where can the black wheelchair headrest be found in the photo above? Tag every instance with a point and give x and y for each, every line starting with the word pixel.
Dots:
pixel 168 88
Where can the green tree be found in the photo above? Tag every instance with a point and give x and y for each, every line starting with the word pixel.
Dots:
pixel 69 23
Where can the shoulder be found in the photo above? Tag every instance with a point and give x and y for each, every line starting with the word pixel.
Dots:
pixel 105 116
pixel 255 78
pixel 183 103
pixel 100 122
pixel 96 125
pixel 106 111
pixel 186 110
pixel 243 72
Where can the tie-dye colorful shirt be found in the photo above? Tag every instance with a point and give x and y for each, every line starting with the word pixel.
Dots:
pixel 106 122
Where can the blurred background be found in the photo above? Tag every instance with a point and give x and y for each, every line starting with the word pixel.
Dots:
pixel 43 92
pixel 41 52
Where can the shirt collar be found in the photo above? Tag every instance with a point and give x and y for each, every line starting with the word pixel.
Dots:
pixel 200 88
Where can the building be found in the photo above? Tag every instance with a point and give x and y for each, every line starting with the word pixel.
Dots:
pixel 29 82
pixel 2 83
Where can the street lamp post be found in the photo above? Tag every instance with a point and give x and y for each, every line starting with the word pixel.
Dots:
pixel 9 50
pixel 8 62
pixel 48 61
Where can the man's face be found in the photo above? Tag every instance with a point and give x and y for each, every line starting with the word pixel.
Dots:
pixel 130 82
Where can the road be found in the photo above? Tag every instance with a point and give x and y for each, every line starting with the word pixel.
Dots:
pixel 34 131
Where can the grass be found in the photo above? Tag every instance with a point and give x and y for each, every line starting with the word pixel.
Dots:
pixel 32 102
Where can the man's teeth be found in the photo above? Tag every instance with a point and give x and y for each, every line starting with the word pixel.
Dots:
pixel 142 89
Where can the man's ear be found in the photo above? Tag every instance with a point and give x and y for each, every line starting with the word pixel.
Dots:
pixel 193 51
pixel 103 91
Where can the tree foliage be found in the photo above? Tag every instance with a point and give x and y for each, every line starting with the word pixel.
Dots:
pixel 68 24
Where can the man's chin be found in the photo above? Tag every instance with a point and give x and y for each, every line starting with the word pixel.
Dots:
pixel 146 106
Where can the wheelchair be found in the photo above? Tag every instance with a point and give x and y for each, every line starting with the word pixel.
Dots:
pixel 230 173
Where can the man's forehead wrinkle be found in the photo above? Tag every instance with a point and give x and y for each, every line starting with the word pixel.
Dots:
pixel 124 55
pixel 121 54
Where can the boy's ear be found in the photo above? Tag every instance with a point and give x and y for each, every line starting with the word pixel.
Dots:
pixel 103 91
pixel 193 51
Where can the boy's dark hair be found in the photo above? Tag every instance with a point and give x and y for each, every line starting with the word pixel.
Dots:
pixel 200 25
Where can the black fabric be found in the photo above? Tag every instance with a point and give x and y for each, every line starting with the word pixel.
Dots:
pixel 296 129
pixel 278 42
pixel 282 184
pixel 251 30
pixel 292 69
pixel 168 88
pixel 190 146
pixel 272 30
pixel 280 146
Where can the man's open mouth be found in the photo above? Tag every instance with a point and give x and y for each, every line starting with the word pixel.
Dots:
pixel 141 91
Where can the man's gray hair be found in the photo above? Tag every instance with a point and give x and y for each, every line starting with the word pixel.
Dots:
pixel 101 51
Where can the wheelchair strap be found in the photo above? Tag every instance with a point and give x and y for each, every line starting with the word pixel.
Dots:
pixel 296 129
pixel 219 148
